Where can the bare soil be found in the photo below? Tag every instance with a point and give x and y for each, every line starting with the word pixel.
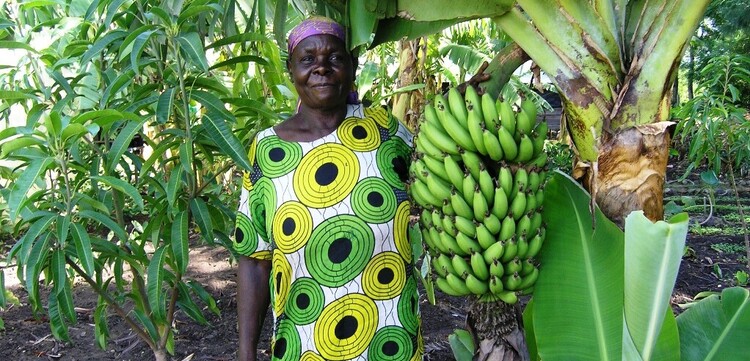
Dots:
pixel 27 337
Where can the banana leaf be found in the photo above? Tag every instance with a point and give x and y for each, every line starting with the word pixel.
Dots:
pixel 717 328
pixel 603 294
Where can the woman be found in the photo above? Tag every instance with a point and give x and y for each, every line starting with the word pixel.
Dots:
pixel 323 220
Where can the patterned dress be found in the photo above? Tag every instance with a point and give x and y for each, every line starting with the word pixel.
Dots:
pixel 332 216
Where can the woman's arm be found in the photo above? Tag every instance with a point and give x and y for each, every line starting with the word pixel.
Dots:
pixel 253 298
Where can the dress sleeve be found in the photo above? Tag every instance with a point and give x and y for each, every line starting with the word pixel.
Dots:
pixel 251 233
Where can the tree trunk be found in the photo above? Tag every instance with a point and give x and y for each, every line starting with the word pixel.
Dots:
pixel 631 172
pixel 408 106
pixel 498 332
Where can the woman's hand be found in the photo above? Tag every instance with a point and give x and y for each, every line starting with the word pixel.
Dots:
pixel 479 77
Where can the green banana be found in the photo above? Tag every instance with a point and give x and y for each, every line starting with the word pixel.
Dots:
pixel 472 101
pixel 474 123
pixel 467 188
pixel 453 170
pixel 440 188
pixel 500 204
pixel 518 206
pixel 531 205
pixel 422 195
pixel 428 240
pixel 534 181
pixel 440 139
pixel 523 246
pixel 465 226
pixel 539 136
pixel 457 284
pixel 444 261
pixel 460 206
pixel 528 267
pixel 425 218
pixel 435 237
pixel 449 226
pixel 520 182
pixel 529 107
pixel 431 119
pixel 535 244
pixel 511 248
pixel 494 252
pixel 524 123
pixel 510 148
pixel 450 243
pixel 493 223
pixel 497 269
pixel 479 266
pixel 461 266
pixel 467 244
pixel 424 145
pixel 441 107
pixel 513 266
pixel 486 183
pixel 472 162
pixel 458 132
pixel 484 236
pixel 444 286
pixel 539 195
pixel 476 286
pixel 507 296
pixel 511 282
pixel 479 204
pixel 508 228
pixel 489 111
pixel 492 145
pixel 529 280
pixel 436 217
pixel 507 117
pixel 435 166
pixel 440 270
pixel 447 208
pixel 540 161
pixel 536 222
pixel 496 285
pixel 505 180
pixel 523 225
pixel 525 149
pixel 457 106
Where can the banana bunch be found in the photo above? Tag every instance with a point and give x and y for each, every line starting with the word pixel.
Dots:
pixel 478 173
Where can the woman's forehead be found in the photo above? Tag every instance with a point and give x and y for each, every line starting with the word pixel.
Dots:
pixel 321 41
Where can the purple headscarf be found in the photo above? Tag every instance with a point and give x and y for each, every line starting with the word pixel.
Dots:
pixel 319 25
pixel 316 25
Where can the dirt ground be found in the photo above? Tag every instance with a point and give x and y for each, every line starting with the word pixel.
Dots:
pixel 28 338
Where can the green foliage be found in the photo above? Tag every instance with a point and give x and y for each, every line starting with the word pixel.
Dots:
pixel 713 125
pixel 717 327
pixel 724 247
pixel 127 123
pixel 462 345
pixel 613 301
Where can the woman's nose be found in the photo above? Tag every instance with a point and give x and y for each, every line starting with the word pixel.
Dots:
pixel 322 67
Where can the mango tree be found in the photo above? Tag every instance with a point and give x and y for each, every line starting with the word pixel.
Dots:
pixel 612 61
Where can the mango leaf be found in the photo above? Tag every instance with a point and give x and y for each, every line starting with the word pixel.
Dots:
pixel 585 286
pixel 3 301
pixel 24 182
pixel 101 44
pixel 653 252
pixel 101 329
pixel 203 219
pixel 104 220
pixel 10 44
pixel 138 44
pixel 33 267
pixel 717 328
pixel 239 38
pixel 164 106
pixel 180 241
pixel 155 279
pixel 240 59
pixel 187 305
pixel 192 47
pixel 462 344
pixel 219 132
pixel 83 249
pixel 56 322
pixel 123 187
pixel 122 142
pixel 204 296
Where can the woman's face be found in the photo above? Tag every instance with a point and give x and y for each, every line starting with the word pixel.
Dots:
pixel 322 72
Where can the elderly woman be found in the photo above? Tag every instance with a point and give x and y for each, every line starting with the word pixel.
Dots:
pixel 323 217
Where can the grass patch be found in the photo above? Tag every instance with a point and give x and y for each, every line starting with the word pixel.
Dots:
pixel 729 248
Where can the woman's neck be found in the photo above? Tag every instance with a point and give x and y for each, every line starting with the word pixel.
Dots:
pixel 311 124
